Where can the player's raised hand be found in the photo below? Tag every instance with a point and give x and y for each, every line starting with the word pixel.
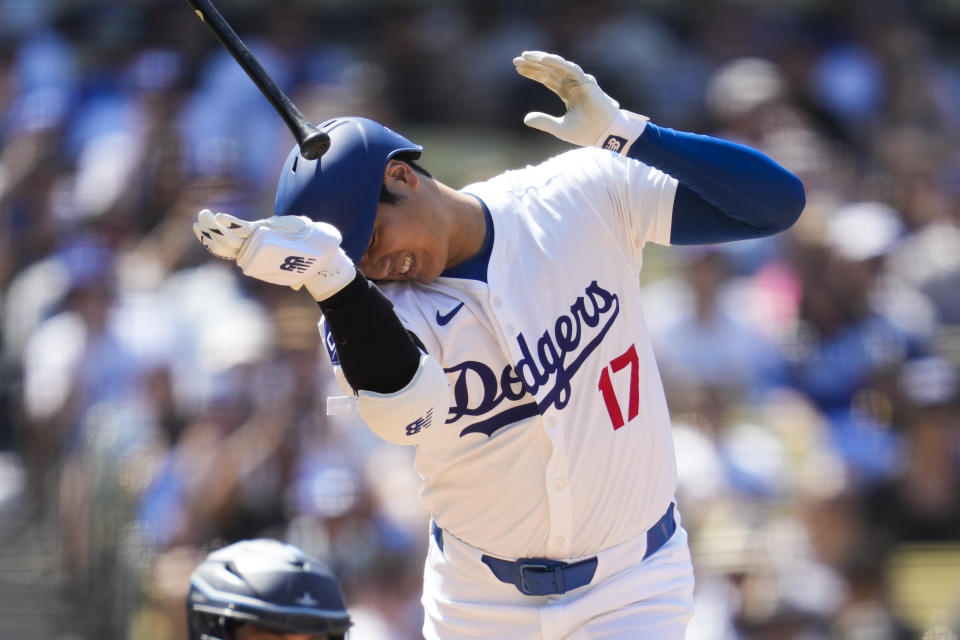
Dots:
pixel 590 111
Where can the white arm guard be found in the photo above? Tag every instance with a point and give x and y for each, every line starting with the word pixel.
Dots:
pixel 406 416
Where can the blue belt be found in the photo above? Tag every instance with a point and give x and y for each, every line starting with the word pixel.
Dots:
pixel 544 577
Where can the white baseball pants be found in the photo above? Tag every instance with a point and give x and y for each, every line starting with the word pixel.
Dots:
pixel 626 600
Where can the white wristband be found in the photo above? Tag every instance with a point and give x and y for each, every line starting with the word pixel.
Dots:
pixel 622 132
pixel 337 273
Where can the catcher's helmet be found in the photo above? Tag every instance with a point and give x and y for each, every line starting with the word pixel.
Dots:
pixel 342 187
pixel 268 583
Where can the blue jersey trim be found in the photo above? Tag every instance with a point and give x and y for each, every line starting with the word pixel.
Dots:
pixel 475 268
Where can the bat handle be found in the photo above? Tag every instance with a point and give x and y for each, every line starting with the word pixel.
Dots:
pixel 314 144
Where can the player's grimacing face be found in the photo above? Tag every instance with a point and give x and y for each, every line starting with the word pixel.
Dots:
pixel 404 245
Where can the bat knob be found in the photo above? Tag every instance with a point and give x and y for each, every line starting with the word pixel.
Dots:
pixel 315 144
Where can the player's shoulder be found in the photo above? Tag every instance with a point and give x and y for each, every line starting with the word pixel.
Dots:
pixel 414 302
pixel 581 158
pixel 586 154
pixel 580 164
pixel 400 293
pixel 424 309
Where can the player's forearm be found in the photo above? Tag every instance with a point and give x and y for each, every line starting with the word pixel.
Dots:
pixel 376 352
pixel 735 192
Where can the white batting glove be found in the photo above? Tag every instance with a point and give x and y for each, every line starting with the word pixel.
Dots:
pixel 592 119
pixel 293 251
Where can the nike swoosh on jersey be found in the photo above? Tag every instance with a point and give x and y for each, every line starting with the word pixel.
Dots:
pixel 447 317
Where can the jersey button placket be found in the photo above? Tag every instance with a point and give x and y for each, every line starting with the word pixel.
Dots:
pixel 506 321
pixel 558 498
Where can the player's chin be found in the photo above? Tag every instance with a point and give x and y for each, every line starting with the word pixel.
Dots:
pixel 425 279
pixel 412 268
pixel 411 274
pixel 425 272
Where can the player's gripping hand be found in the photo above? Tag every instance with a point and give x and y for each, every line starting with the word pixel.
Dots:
pixel 592 117
pixel 222 234
pixel 293 251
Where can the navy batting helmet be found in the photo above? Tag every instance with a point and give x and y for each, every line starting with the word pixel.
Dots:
pixel 342 187
pixel 267 583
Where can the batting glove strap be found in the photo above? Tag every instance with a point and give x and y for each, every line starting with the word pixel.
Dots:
pixel 622 132
pixel 332 277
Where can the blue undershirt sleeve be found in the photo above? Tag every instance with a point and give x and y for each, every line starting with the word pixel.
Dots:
pixel 727 191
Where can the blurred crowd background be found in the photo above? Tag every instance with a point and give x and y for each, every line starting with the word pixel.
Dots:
pixel 156 405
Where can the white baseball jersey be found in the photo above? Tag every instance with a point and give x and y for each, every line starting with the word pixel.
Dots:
pixel 557 442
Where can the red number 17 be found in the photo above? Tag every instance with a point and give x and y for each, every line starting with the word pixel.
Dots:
pixel 628 357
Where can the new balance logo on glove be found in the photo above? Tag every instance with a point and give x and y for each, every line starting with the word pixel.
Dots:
pixel 297 263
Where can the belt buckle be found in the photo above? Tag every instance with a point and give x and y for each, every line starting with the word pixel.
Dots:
pixel 557 572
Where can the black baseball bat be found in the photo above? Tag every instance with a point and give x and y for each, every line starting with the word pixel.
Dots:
pixel 313 142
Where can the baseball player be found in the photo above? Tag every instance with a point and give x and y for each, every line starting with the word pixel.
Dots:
pixel 264 590
pixel 505 339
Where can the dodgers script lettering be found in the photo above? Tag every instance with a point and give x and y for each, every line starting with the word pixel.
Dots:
pixel 544 371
